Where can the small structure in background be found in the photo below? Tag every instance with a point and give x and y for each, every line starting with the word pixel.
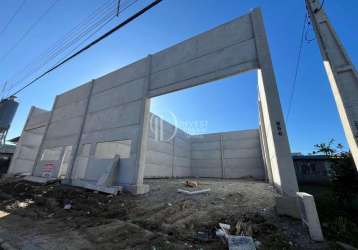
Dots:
pixel 8 109
pixel 312 169
pixel 6 153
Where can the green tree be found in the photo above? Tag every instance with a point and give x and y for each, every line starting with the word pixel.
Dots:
pixel 343 173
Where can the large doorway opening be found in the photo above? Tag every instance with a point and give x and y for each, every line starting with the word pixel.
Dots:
pixel 211 130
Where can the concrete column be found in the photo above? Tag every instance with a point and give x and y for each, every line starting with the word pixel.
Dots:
pixel 43 138
pixel 222 157
pixel 78 140
pixel 139 187
pixel 341 73
pixel 264 147
pixel 284 177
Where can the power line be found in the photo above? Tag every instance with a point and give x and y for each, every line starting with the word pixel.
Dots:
pixel 65 42
pixel 297 66
pixel 12 17
pixel 108 33
pixel 84 34
pixel 84 30
pixel 28 31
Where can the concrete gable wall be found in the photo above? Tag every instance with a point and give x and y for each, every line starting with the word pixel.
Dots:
pixel 30 141
pixel 114 114
pixel 64 126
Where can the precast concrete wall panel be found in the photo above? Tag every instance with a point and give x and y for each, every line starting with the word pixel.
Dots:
pixel 242 156
pixel 27 148
pixel 227 155
pixel 168 150
pixel 220 52
pixel 121 76
pixel 206 156
pixel 64 127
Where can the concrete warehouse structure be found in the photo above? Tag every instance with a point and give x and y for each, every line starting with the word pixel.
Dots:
pixel 91 124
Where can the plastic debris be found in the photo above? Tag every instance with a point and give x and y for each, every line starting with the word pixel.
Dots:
pixel 235 242
pixel 193 192
pixel 67 206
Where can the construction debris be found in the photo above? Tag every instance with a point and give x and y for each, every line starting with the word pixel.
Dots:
pixel 193 192
pixel 192 184
pixel 162 219
pixel 235 242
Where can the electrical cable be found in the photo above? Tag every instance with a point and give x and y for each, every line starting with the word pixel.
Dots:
pixel 89 32
pixel 28 31
pixel 108 33
pixel 297 67
pixel 17 11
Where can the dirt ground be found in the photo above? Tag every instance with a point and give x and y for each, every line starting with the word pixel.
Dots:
pixel 33 217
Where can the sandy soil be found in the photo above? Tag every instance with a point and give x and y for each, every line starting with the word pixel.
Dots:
pixel 33 217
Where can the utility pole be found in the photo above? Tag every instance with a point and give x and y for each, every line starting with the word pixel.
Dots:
pixel 341 73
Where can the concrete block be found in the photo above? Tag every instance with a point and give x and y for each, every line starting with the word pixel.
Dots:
pixel 242 153
pixel 207 172
pixel 38 120
pixel 123 75
pixel 181 172
pixel 206 64
pixel 28 152
pixel 74 95
pixel 64 127
pixel 159 146
pixel 309 215
pixel 212 145
pixel 182 141
pixel 114 117
pixel 29 138
pixel 21 166
pixel 159 158
pixel 207 154
pixel 240 135
pixel 205 138
pixel 112 134
pixel 118 95
pixel 155 170
pixel 182 152
pixel 204 163
pixel 242 144
pixel 182 162
pixel 256 173
pixel 235 31
pixel 126 175
pixel 69 111
pixel 59 141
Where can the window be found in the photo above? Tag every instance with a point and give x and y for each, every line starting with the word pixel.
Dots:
pixel 81 161
pixel 107 150
pixel 65 162
pixel 51 154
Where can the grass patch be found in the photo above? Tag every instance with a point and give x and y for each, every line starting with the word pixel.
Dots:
pixel 339 222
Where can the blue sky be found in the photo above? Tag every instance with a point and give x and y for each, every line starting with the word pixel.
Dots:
pixel 313 117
